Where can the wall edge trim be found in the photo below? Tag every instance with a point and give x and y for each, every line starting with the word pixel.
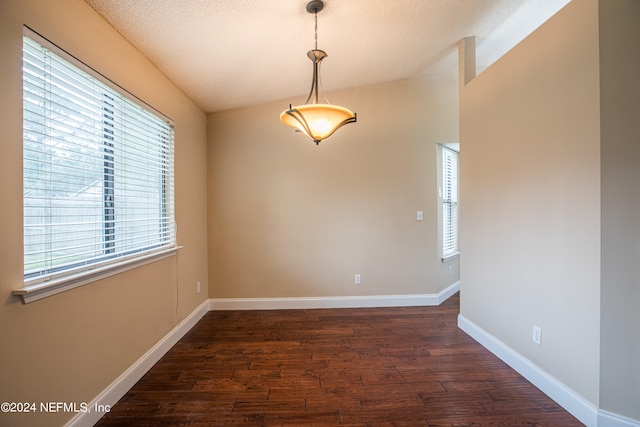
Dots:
pixel 364 301
pixel 609 419
pixel 118 388
pixel 572 402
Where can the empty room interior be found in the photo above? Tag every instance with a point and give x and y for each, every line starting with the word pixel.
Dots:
pixel 537 102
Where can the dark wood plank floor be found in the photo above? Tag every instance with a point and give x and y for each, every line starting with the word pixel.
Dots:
pixel 408 366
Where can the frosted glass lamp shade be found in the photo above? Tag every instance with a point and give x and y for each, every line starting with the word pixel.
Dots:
pixel 317 121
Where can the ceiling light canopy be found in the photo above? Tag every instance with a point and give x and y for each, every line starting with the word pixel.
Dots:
pixel 317 121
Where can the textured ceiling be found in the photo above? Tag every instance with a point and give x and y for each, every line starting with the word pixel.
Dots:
pixel 227 54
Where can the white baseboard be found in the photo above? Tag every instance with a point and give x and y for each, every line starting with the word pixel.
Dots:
pixel 447 292
pixel 608 419
pixel 124 382
pixel 575 404
pixel 565 397
pixel 333 302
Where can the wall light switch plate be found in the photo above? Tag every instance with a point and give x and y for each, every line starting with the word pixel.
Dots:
pixel 419 216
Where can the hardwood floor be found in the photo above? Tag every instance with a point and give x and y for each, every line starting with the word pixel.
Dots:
pixel 407 366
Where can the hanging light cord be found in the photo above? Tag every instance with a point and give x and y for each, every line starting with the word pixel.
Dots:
pixel 315 16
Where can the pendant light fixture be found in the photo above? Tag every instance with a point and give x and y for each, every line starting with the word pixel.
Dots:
pixel 317 121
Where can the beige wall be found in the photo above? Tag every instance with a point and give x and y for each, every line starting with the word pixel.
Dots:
pixel 620 150
pixel 70 346
pixel 289 219
pixel 530 191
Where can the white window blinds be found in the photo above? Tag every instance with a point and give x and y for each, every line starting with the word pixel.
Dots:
pixel 98 171
pixel 449 201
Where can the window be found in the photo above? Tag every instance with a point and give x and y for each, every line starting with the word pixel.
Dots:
pixel 98 170
pixel 449 202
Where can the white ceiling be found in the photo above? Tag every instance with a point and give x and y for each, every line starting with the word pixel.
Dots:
pixel 227 54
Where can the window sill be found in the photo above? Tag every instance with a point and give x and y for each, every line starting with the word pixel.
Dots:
pixel 56 286
pixel 451 256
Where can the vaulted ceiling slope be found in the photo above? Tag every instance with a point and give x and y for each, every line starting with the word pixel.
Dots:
pixel 227 54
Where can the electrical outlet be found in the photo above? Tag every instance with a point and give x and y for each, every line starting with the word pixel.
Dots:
pixel 358 279
pixel 537 335
pixel 198 288
pixel 419 216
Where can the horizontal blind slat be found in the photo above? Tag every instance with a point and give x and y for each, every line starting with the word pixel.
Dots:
pixel 98 170
pixel 449 201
